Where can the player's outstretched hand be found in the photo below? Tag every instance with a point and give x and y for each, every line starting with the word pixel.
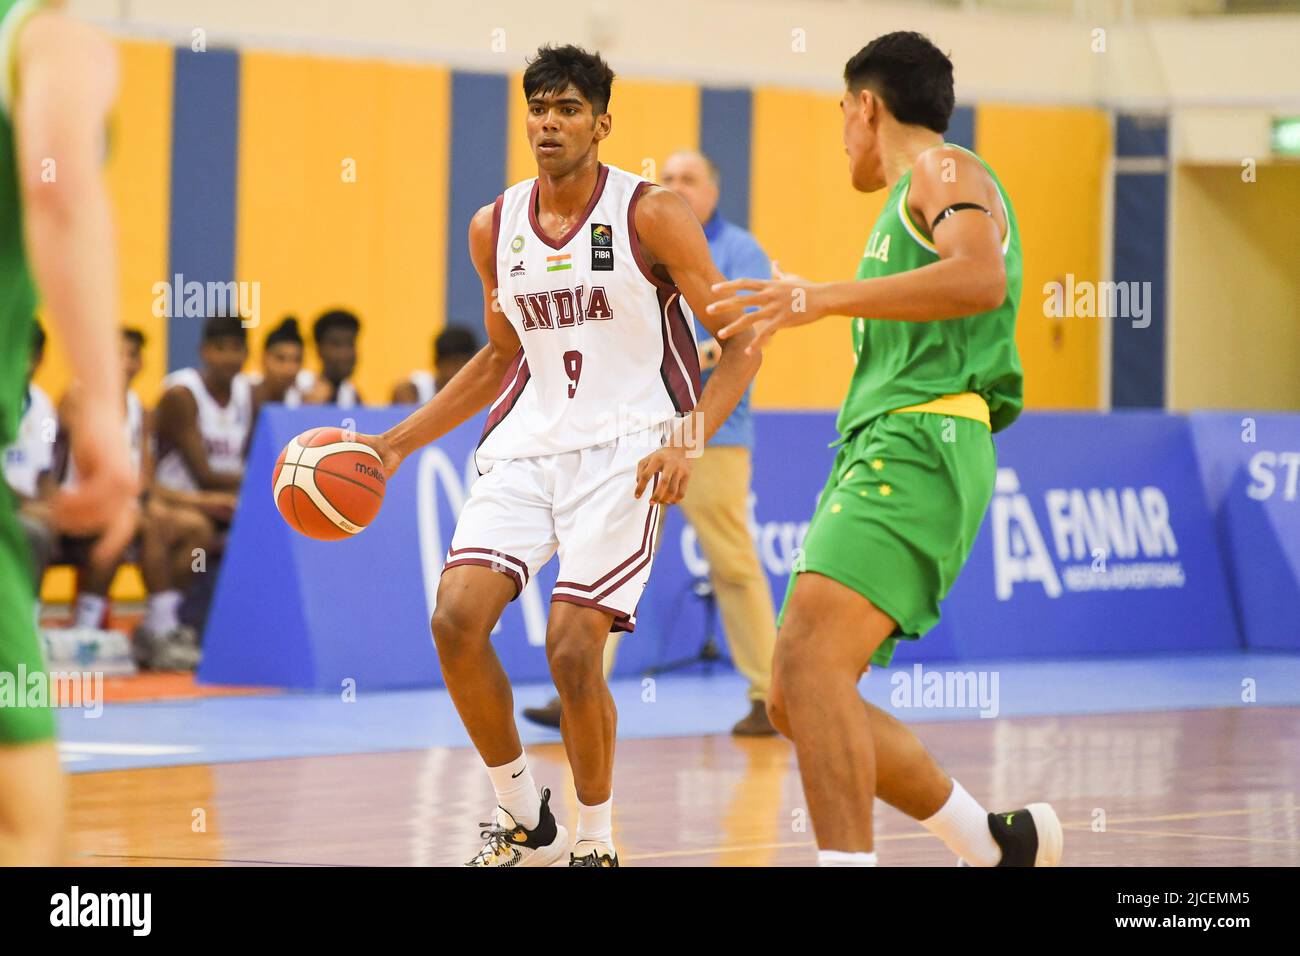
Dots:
pixel 387 454
pixel 673 469
pixel 782 302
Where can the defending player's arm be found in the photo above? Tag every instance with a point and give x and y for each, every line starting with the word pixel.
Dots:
pixel 474 386
pixel 969 278
pixel 672 237
pixel 66 84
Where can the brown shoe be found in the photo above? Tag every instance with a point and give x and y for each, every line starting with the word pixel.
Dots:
pixel 755 723
pixel 548 716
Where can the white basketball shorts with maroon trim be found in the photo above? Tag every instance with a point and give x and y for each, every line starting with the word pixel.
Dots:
pixel 580 503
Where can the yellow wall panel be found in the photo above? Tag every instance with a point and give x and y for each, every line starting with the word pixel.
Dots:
pixel 138 173
pixel 808 218
pixel 1235 290
pixel 649 121
pixel 315 238
pixel 1052 162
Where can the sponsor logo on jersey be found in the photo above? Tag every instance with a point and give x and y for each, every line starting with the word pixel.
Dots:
pixel 1103 539
pixel 559 262
pixel 518 269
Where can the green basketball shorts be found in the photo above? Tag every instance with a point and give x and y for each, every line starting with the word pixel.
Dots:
pixel 899 514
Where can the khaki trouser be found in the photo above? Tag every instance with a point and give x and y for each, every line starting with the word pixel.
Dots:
pixel 717 506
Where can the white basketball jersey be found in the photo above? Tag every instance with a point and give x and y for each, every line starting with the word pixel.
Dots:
pixel 134 430
pixel 292 397
pixel 33 449
pixel 224 429
pixel 424 383
pixel 608 348
pixel 347 392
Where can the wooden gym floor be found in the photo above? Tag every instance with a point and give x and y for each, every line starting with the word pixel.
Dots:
pixel 1173 788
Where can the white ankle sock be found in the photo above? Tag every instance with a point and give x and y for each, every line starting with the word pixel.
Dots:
pixel 162 613
pixel 963 824
pixel 516 792
pixel 841 858
pixel 596 823
pixel 90 610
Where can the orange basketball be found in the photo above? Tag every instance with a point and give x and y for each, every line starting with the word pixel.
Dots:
pixel 327 486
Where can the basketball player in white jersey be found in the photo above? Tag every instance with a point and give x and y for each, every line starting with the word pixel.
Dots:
pixel 201 431
pixel 29 461
pixel 335 334
pixel 95 567
pixel 453 347
pixel 281 366
pixel 592 374
pixel 165 534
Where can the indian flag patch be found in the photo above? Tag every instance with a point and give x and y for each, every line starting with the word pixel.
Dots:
pixel 559 263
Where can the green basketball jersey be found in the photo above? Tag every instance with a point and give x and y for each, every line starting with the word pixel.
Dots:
pixel 901 364
pixel 17 291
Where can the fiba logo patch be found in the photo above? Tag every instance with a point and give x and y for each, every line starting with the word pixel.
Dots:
pixel 602 247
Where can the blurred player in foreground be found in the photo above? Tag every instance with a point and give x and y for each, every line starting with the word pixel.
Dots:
pixel 58 80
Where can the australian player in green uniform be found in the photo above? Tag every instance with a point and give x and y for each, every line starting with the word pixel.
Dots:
pixel 57 82
pixel 933 331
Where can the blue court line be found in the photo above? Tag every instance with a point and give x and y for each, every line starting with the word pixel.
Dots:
pixel 226 729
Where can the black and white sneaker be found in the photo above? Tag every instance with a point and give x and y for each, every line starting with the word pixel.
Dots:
pixel 592 853
pixel 511 844
pixel 1028 837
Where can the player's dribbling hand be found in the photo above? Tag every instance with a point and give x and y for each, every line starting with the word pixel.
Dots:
pixel 782 302
pixel 673 469
pixel 387 454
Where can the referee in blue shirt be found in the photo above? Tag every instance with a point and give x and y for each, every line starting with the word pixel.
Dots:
pixel 717 499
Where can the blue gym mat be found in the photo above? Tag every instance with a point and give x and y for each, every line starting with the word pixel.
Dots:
pixel 226 729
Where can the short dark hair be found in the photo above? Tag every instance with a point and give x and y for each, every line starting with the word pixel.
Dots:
pixel 455 340
pixel 334 319
pixel 134 336
pixel 225 327
pixel 555 67
pixel 910 74
pixel 286 331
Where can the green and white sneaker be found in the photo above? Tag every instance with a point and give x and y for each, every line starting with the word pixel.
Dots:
pixel 1031 836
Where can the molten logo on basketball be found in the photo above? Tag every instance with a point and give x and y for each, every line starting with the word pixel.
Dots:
pixel 327 485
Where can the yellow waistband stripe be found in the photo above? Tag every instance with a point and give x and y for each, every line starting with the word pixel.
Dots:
pixel 965 405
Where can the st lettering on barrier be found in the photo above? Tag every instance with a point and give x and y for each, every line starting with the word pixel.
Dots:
pixel 1250 466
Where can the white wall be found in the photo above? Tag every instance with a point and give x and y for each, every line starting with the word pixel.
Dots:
pixel 1023 57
